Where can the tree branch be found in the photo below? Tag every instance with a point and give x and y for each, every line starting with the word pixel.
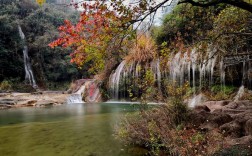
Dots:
pixel 206 3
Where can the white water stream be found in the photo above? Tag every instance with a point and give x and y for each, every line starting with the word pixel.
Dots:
pixel 29 77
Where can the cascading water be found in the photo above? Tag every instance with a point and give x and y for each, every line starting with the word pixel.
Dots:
pixel 183 66
pixel 222 73
pixel 250 74
pixel 194 66
pixel 132 70
pixel 88 91
pixel 115 80
pixel 239 93
pixel 29 77
pixel 77 96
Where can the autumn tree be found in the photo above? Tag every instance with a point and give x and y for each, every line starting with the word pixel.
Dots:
pixel 106 26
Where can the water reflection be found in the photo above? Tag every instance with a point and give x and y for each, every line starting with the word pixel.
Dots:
pixel 76 129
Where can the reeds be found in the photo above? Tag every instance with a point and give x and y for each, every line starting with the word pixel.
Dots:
pixel 143 50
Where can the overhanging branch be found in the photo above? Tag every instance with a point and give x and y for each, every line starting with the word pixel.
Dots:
pixel 206 3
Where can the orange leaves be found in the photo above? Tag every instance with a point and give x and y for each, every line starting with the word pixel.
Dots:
pixel 97 33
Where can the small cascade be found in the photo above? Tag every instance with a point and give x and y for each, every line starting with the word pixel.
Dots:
pixel 222 74
pixel 29 77
pixel 196 100
pixel 74 98
pixel 250 74
pixel 240 93
pixel 244 72
pixel 87 92
pixel 77 96
pixel 157 73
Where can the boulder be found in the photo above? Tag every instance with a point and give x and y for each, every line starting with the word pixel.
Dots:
pixel 232 105
pixel 232 129
pixel 243 117
pixel 245 140
pixel 219 119
pixel 213 105
pixel 198 118
pixel 202 108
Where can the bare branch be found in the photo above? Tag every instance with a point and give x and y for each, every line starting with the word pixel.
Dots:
pixel 206 3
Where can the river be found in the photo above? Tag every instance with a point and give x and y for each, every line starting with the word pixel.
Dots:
pixel 72 129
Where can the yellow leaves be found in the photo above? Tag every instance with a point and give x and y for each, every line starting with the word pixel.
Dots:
pixel 177 91
pixel 40 2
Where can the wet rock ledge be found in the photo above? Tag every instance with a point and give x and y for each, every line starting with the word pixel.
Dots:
pixel 36 99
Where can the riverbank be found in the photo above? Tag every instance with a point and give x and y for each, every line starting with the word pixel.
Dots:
pixel 211 128
pixel 36 99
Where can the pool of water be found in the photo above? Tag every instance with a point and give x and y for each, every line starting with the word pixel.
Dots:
pixel 67 130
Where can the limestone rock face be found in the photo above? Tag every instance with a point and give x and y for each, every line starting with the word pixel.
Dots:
pixel 233 119
pixel 92 94
pixel 41 99
pixel 233 129
pixel 87 90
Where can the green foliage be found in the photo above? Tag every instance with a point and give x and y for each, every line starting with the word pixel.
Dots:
pixel 39 25
pixel 5 85
pixel 185 24
pixel 230 28
pixel 227 27
pixel 219 88
pixel 219 92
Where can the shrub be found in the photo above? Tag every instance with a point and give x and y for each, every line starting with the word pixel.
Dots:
pixel 166 130
pixel 219 92
pixel 6 85
pixel 158 130
pixel 143 50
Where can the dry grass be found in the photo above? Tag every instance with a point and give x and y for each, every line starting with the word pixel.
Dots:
pixel 143 50
pixel 156 130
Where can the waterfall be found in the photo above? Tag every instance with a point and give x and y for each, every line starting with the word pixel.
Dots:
pixel 250 74
pixel 182 67
pixel 196 100
pixel 239 93
pixel 193 66
pixel 222 73
pixel 155 66
pixel 88 91
pixel 74 98
pixel 127 74
pixel 77 96
pixel 29 77
pixel 115 80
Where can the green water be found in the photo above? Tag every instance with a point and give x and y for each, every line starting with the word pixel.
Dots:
pixel 67 130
